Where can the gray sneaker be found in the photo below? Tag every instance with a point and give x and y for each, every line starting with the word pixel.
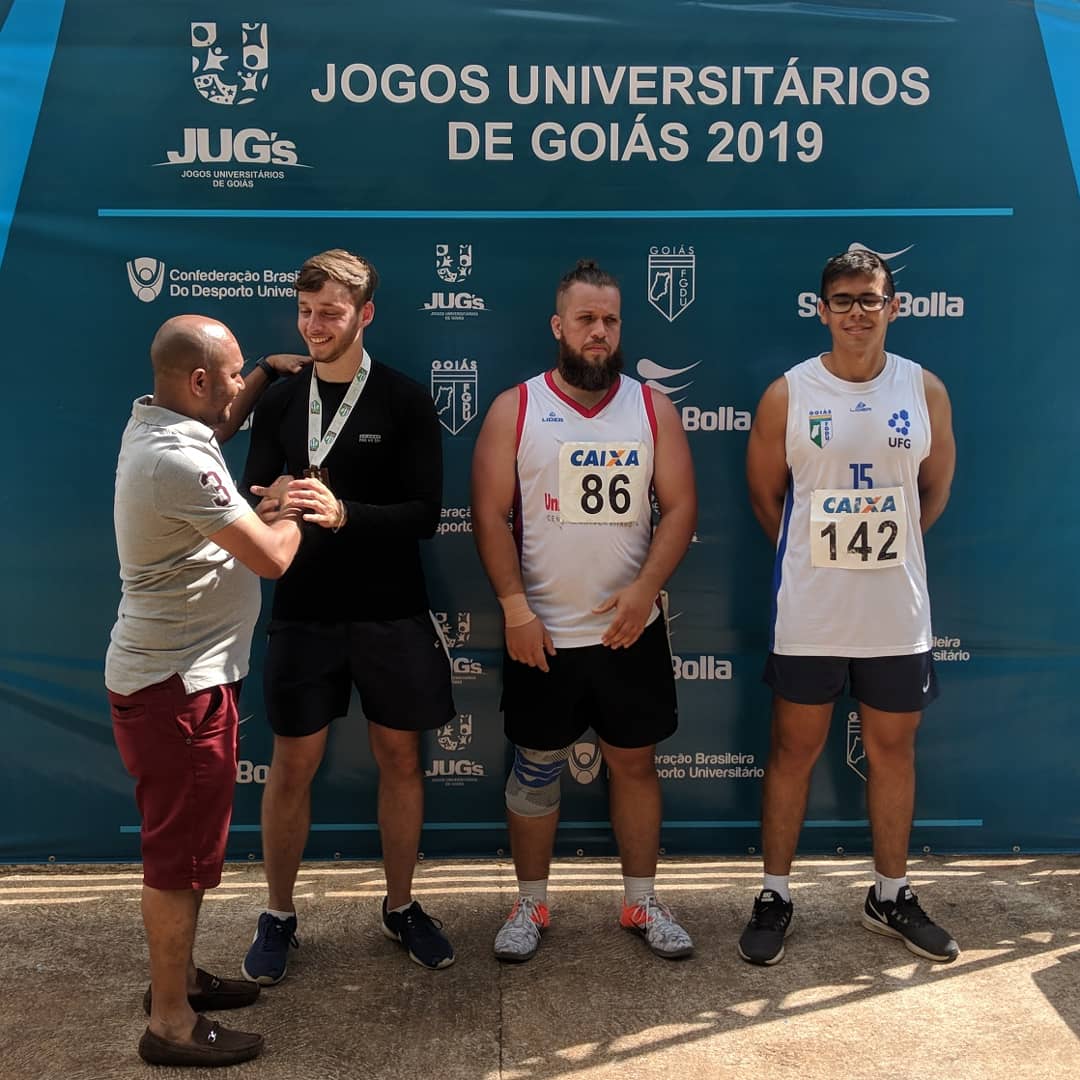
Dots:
pixel 519 937
pixel 658 927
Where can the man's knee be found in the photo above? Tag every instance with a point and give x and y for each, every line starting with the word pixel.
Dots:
pixel 296 760
pixel 636 764
pixel 533 787
pixel 397 753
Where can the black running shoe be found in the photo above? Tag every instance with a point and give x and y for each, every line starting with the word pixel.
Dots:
pixel 420 934
pixel 903 918
pixel 762 941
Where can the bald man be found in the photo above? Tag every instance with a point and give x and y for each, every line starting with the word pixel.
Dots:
pixel 191 552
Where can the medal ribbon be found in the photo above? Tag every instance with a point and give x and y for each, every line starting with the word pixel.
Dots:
pixel 319 448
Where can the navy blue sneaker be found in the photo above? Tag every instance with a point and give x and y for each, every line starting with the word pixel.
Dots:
pixel 268 958
pixel 420 934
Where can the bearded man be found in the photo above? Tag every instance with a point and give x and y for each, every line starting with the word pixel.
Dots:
pixel 570 459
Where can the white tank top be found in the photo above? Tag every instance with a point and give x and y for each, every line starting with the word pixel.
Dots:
pixel 850 574
pixel 582 513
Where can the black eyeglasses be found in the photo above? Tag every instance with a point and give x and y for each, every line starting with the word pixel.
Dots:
pixel 868 301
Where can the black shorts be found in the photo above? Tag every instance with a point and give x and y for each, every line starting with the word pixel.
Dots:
pixel 889 683
pixel 627 696
pixel 399 666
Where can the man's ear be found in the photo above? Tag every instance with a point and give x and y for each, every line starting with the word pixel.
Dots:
pixel 556 327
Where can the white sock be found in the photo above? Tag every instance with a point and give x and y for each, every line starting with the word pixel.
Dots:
pixel 888 888
pixel 778 883
pixel 399 910
pixel 535 890
pixel 636 889
pixel 282 915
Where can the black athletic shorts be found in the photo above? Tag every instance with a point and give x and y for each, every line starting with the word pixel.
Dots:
pixel 400 667
pixel 889 683
pixel 627 696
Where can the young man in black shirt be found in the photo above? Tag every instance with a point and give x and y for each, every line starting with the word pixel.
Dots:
pixel 358 447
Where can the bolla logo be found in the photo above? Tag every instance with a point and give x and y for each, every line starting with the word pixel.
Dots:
pixel 694 418
pixel 936 304
pixel 146 276
pixel 209 58
pixel 696 668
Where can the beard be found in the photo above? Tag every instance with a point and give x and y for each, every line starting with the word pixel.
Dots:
pixel 589 375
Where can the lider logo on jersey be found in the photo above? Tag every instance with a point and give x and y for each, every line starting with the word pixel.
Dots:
pixel 605 458
pixel 209 59
pixel 820 426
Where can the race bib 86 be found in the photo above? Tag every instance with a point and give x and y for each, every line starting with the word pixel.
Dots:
pixel 602 483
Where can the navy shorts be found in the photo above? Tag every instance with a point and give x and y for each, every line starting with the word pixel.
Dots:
pixel 627 696
pixel 399 666
pixel 898 684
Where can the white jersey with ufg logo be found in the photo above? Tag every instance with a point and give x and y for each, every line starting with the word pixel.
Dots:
pixel 582 513
pixel 850 576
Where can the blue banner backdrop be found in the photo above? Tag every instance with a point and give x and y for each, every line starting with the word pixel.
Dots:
pixel 169 157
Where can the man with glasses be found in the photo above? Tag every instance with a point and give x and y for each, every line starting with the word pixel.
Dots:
pixel 850 460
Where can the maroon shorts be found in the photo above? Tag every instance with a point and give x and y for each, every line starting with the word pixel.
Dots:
pixel 181 750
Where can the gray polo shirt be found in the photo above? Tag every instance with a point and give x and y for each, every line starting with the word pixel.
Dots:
pixel 188 606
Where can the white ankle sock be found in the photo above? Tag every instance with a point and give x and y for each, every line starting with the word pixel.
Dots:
pixel 399 910
pixel 778 883
pixel 535 890
pixel 282 915
pixel 888 888
pixel 636 889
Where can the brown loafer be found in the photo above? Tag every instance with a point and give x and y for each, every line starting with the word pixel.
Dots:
pixel 211 1045
pixel 214 993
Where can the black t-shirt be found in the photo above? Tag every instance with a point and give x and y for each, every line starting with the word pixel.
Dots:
pixel 386 466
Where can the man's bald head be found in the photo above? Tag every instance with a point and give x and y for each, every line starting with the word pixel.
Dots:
pixel 185 343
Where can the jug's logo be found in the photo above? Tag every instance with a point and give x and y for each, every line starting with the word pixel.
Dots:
pixel 146 276
pixel 213 68
pixel 452 266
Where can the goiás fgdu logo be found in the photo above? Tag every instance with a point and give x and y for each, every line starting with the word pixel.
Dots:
pixel 820 427
pixel 146 276
pixel 453 263
pixel 213 68
pixel 672 279
pixel 453 389
pixel 931 304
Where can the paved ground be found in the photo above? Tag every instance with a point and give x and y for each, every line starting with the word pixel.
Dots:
pixel 593 1003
